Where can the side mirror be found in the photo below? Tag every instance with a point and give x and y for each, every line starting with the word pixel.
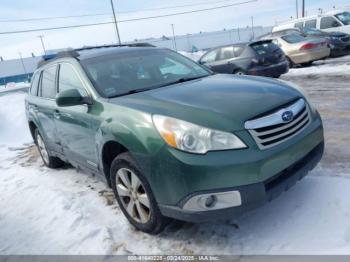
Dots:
pixel 336 24
pixel 72 97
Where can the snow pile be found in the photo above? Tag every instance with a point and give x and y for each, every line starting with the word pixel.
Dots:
pixel 13 125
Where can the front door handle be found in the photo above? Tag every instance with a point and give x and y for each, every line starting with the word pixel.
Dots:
pixel 57 114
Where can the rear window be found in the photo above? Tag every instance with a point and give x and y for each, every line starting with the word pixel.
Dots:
pixel 263 48
pixel 293 38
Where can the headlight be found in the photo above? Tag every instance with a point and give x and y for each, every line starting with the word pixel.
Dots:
pixel 193 138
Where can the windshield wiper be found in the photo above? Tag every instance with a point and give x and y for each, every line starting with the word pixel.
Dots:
pixel 182 80
pixel 133 91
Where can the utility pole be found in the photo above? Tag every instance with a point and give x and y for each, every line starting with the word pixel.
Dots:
pixel 239 34
pixel 24 68
pixel 303 8
pixel 42 43
pixel 116 24
pixel 253 35
pixel 297 8
pixel 174 39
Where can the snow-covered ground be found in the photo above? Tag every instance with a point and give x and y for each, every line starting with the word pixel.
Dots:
pixel 13 87
pixel 64 211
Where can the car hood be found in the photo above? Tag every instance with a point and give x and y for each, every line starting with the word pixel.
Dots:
pixel 222 102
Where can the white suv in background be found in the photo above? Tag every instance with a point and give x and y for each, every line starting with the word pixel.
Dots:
pixel 337 20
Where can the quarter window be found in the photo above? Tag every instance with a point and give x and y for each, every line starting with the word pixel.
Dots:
pixel 311 23
pixel 329 22
pixel 48 86
pixel 35 84
pixel 68 79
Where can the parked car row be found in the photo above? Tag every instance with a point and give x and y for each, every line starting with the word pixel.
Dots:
pixel 262 58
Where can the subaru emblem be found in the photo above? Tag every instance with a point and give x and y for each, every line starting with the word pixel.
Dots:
pixel 287 116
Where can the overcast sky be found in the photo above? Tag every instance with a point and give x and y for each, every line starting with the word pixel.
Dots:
pixel 265 12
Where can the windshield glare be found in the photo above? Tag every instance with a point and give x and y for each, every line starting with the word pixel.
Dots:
pixel 118 74
pixel 344 18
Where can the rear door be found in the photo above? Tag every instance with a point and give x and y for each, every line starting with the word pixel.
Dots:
pixel 76 134
pixel 45 107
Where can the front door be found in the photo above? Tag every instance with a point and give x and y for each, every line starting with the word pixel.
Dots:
pixel 74 122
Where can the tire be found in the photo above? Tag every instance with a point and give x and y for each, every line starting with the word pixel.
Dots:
pixel 143 215
pixel 290 62
pixel 307 64
pixel 239 72
pixel 49 161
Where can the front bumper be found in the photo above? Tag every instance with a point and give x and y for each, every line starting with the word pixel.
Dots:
pixel 340 48
pixel 270 71
pixel 254 195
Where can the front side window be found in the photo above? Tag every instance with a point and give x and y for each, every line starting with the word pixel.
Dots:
pixel 48 86
pixel 68 79
pixel 35 84
pixel 344 17
pixel 210 57
pixel 329 22
pixel 127 72
pixel 311 23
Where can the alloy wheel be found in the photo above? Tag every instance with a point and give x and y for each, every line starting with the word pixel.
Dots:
pixel 133 195
pixel 42 149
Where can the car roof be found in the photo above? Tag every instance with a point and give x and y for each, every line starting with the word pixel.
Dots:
pixel 95 51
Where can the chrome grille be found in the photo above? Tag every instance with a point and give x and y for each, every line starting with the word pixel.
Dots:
pixel 271 130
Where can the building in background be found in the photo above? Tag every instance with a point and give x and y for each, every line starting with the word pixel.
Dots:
pixel 17 70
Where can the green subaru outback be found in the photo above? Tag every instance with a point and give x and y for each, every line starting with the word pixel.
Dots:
pixel 171 138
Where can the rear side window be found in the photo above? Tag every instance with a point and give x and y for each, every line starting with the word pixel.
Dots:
pixel 48 86
pixel 226 53
pixel 329 22
pixel 299 25
pixel 35 84
pixel 68 79
pixel 311 23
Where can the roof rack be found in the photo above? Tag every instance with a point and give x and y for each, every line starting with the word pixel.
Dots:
pixel 70 52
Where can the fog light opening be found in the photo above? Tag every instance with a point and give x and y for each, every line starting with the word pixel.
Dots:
pixel 210 201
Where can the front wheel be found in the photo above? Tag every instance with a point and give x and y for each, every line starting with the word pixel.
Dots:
pixel 238 72
pixel 49 161
pixel 134 195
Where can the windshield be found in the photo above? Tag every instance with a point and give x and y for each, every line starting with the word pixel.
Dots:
pixel 293 38
pixel 134 71
pixel 344 18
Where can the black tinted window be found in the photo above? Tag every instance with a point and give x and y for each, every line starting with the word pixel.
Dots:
pixel 68 79
pixel 35 84
pixel 311 23
pixel 48 87
pixel 329 22
pixel 263 48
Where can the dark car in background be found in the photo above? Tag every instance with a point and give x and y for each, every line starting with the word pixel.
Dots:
pixel 261 58
pixel 338 42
